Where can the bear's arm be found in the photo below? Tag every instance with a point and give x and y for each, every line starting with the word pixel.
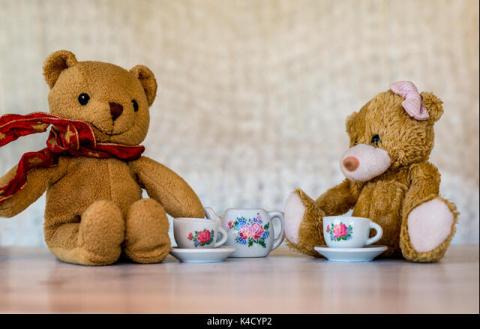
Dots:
pixel 166 187
pixel 339 199
pixel 424 185
pixel 38 181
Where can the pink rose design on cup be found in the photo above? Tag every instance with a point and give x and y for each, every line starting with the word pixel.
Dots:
pixel 204 237
pixel 340 232
pixel 201 238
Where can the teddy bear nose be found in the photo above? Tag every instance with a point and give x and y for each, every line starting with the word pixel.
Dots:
pixel 351 163
pixel 116 110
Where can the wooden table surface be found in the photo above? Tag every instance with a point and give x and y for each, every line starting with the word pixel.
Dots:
pixel 32 280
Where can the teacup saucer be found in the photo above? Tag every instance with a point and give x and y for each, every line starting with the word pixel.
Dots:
pixel 365 254
pixel 202 255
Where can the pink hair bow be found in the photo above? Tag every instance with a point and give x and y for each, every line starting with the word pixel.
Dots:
pixel 413 101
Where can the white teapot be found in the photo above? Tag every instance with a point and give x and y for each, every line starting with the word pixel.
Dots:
pixel 251 231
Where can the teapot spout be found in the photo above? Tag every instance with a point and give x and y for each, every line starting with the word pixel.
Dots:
pixel 211 214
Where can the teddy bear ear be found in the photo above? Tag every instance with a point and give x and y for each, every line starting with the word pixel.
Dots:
pixel 147 79
pixel 349 121
pixel 434 106
pixel 56 63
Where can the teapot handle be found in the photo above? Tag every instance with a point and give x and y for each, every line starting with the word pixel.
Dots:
pixel 210 214
pixel 278 239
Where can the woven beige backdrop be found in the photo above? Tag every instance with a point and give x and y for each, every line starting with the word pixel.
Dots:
pixel 253 94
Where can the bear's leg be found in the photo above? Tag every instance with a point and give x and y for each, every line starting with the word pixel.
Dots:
pixel 303 223
pixel 147 239
pixel 95 240
pixel 427 231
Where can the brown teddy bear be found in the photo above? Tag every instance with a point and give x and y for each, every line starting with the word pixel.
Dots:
pixel 388 179
pixel 92 168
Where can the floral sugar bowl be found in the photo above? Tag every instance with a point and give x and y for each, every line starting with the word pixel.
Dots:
pixel 251 231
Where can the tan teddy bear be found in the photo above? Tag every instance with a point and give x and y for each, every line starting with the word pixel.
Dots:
pixel 388 179
pixel 93 170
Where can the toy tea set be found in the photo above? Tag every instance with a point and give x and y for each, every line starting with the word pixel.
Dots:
pixel 241 233
pixel 248 233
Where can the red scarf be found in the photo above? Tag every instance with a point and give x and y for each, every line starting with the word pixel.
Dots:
pixel 67 137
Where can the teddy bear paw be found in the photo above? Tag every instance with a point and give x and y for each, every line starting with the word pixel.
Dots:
pixel 429 224
pixel 294 212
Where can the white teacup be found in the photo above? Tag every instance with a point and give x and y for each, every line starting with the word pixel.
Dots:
pixel 198 233
pixel 349 231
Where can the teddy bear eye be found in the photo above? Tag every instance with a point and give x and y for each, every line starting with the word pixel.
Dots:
pixel 135 105
pixel 83 99
pixel 375 139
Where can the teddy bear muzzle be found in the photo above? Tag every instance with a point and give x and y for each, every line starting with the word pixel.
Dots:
pixel 364 162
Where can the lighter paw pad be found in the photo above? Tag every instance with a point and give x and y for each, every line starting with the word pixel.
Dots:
pixel 294 211
pixel 429 225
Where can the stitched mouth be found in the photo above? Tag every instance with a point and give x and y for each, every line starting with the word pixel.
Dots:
pixel 108 133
